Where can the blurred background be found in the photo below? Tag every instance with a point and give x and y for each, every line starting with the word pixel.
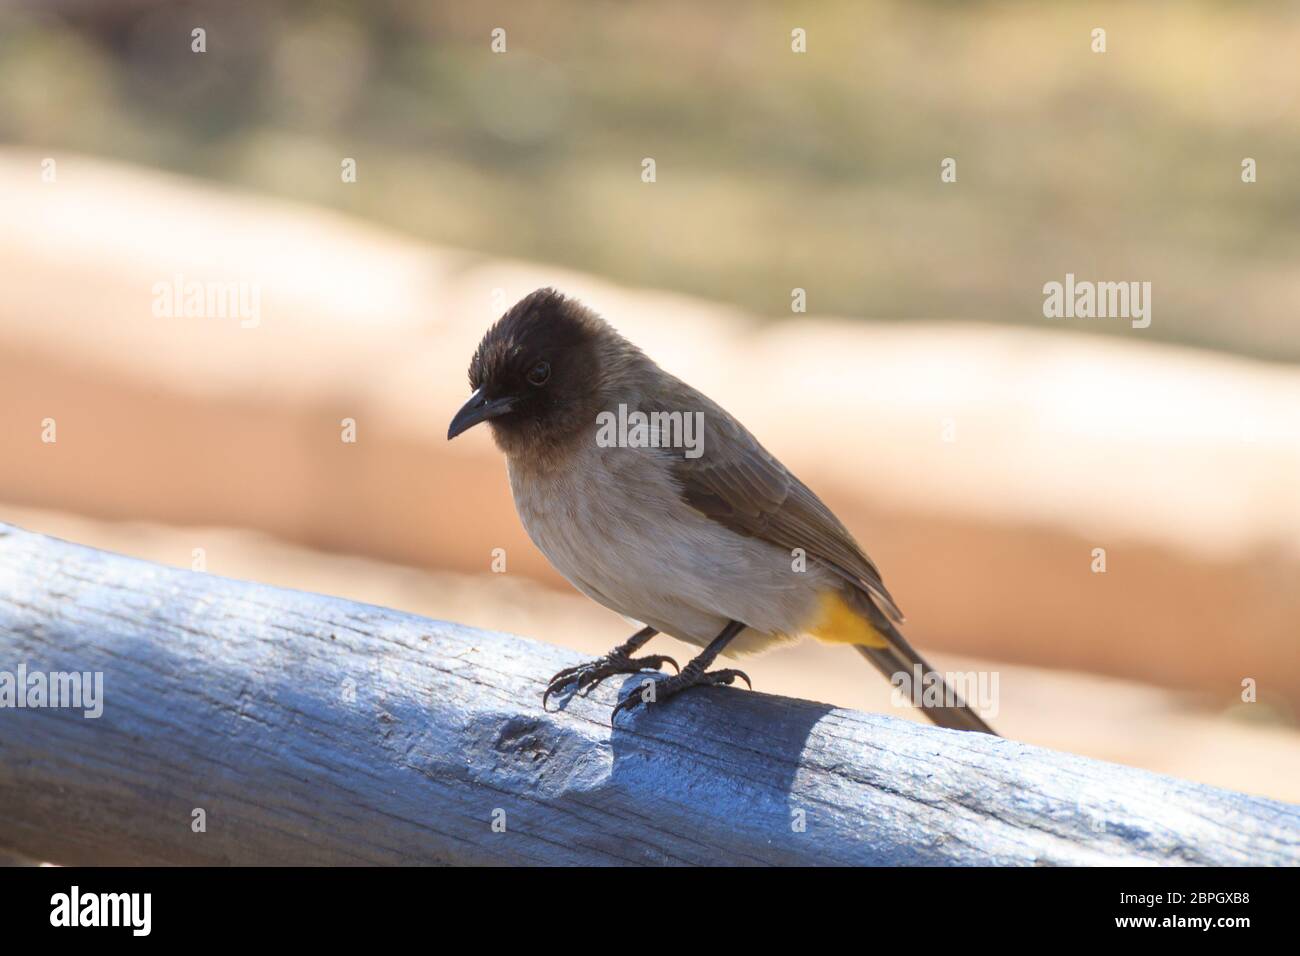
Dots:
pixel 1107 516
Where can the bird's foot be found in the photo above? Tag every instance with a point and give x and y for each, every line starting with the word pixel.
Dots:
pixel 658 691
pixel 589 675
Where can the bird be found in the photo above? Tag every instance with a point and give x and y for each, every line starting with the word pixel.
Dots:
pixel 707 537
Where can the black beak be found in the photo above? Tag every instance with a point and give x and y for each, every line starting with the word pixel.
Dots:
pixel 478 409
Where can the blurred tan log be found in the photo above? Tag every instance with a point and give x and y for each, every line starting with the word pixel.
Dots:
pixel 982 467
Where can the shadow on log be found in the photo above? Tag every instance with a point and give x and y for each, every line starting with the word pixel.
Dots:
pixel 311 730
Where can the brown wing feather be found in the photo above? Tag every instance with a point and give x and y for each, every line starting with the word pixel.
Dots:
pixel 739 484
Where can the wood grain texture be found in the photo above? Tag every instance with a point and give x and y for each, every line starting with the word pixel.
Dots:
pixel 315 730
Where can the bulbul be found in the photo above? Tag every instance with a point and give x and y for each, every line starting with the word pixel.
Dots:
pixel 703 542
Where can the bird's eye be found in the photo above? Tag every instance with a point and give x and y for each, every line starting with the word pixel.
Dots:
pixel 539 374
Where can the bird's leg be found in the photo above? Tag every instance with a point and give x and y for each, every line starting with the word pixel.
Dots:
pixel 617 661
pixel 694 674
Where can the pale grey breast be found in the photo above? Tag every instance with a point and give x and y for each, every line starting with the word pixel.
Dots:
pixel 612 521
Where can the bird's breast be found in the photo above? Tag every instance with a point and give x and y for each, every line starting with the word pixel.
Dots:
pixel 613 522
pixel 602 521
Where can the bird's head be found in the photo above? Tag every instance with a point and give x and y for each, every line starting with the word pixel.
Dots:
pixel 538 375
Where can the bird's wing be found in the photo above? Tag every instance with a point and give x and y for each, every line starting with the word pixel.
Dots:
pixel 743 487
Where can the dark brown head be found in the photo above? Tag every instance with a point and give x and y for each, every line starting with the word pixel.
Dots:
pixel 539 373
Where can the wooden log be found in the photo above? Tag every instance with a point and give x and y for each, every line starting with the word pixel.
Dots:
pixel 311 730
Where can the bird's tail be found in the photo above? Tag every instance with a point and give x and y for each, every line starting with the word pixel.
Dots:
pixel 899 657
pixel 850 616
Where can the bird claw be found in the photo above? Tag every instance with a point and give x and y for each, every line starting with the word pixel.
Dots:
pixel 587 676
pixel 674 684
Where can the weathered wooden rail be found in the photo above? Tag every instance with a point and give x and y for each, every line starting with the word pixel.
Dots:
pixel 308 729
